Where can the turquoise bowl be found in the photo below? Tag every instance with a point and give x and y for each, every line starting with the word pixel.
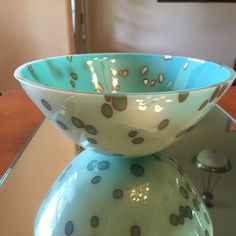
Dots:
pixel 124 104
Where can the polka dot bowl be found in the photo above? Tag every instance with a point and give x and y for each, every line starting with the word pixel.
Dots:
pixel 124 104
pixel 98 194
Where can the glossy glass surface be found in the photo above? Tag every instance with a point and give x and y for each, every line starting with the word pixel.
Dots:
pixel 98 194
pixel 124 104
pixel 124 73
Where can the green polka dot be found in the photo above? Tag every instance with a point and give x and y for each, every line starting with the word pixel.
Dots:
pixel 195 204
pixel 94 221
pixel 61 125
pixel 92 140
pixel 135 230
pixel 213 96
pixel 103 165
pixel 183 211
pixel 90 129
pixel 137 170
pixel 107 110
pixel 189 212
pixel 69 58
pixel 46 104
pixel 68 167
pixel 138 140
pixel 77 122
pixel 30 67
pixel 92 165
pixel 62 176
pixel 181 219
pixel 72 83
pixel 182 132
pixel 69 228
pixel 132 133
pixel 96 179
pixel 206 233
pixel 119 103
pixel 163 124
pixel 222 90
pixel 184 192
pixel 183 96
pixel 191 128
pixel 207 218
pixel 174 219
pixel 186 65
pixel 117 194
pixel 203 105
pixel 74 76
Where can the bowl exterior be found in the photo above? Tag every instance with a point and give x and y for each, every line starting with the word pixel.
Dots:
pixel 125 125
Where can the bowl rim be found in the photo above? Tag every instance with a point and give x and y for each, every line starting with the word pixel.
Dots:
pixel 21 79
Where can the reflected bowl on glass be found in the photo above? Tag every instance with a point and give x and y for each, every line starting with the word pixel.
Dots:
pixel 124 104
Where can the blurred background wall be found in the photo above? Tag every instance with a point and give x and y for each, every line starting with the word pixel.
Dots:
pixel 32 29
pixel 29 30
pixel 201 30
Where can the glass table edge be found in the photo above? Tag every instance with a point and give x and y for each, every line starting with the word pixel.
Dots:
pixel 19 154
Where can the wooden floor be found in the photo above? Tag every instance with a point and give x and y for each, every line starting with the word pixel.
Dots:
pixel 19 117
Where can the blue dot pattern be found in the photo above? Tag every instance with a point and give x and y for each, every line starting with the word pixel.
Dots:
pixel 62 176
pixel 69 229
pixel 117 193
pixel 92 165
pixel 96 179
pixel 137 170
pixel 135 230
pixel 46 104
pixel 103 165
pixel 61 125
pixel 94 221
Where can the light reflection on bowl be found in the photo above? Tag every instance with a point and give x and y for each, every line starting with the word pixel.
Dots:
pixel 124 104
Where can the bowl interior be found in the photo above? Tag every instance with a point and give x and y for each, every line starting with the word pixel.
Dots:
pixel 123 73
